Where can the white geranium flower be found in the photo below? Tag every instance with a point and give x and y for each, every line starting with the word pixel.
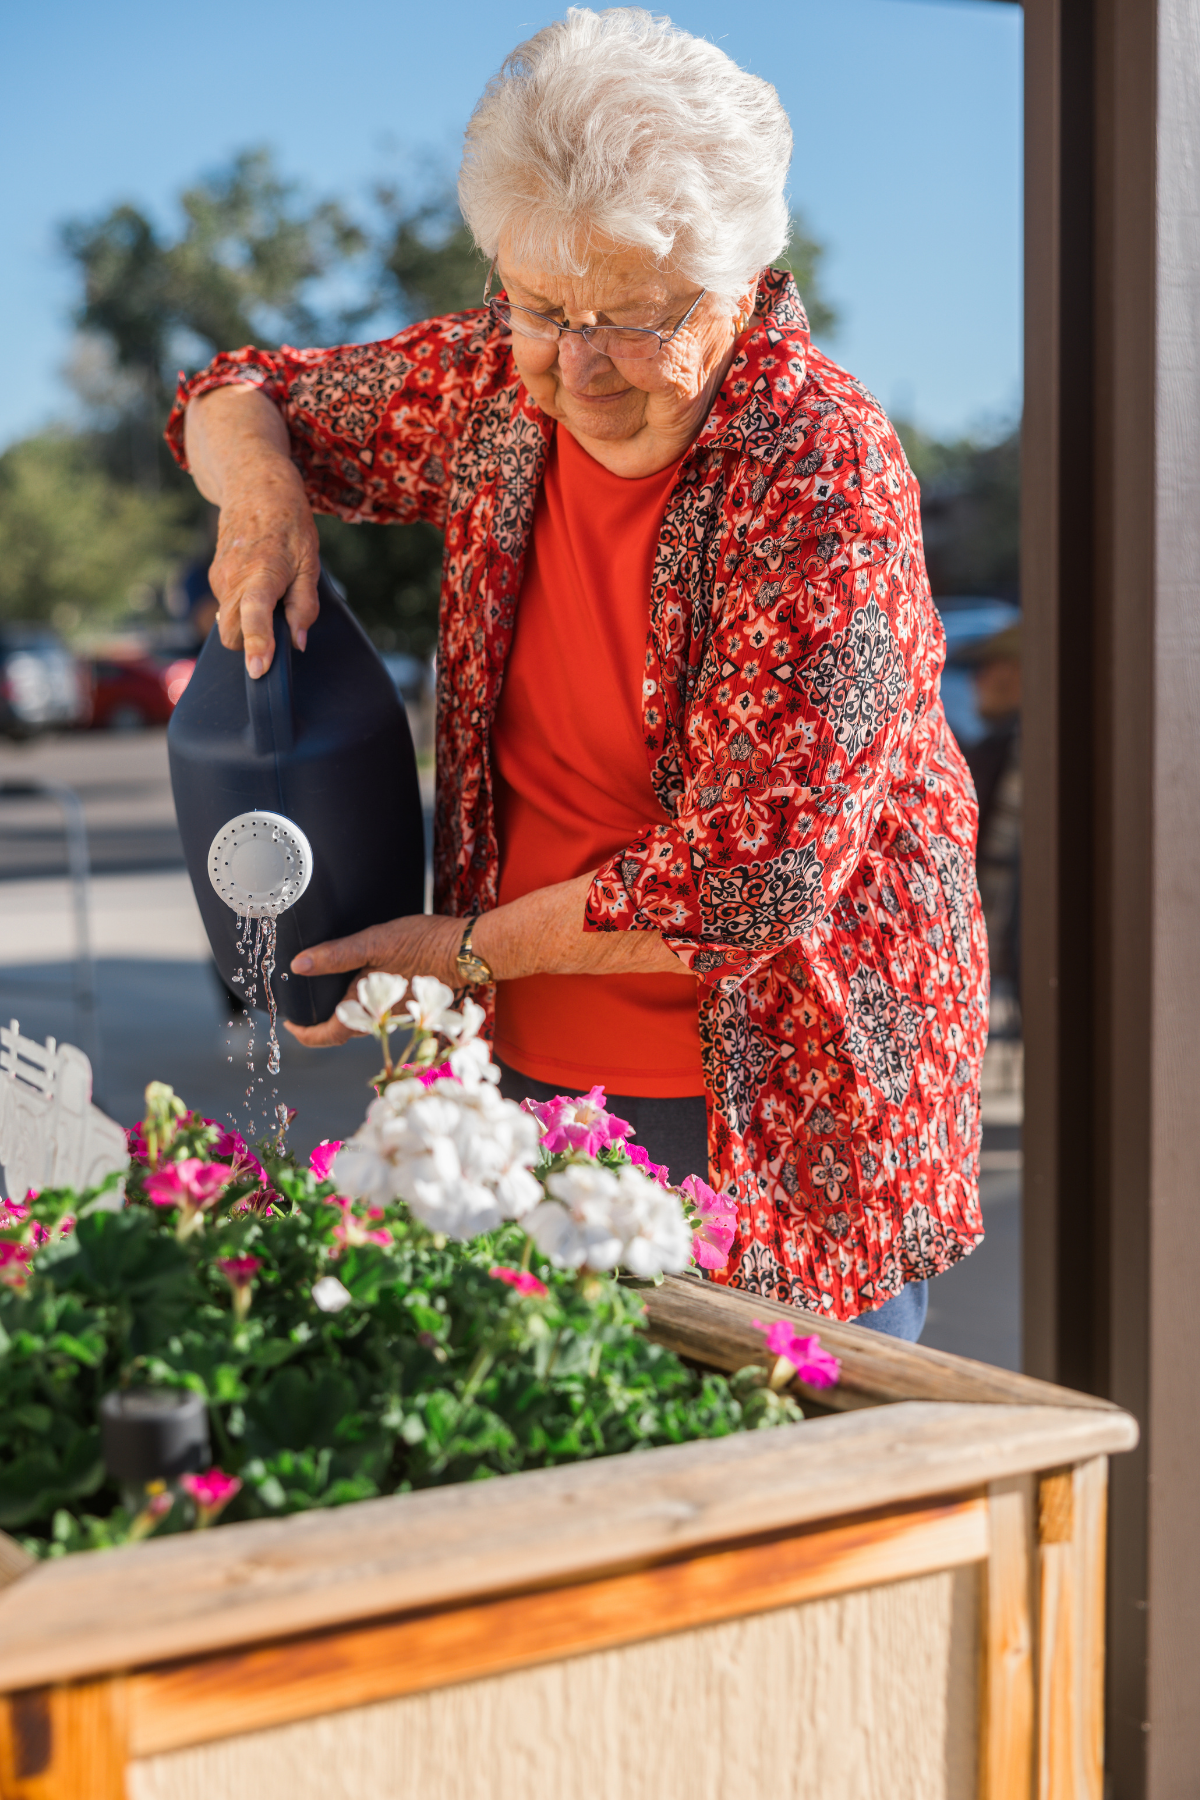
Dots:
pixel 471 1061
pixel 377 993
pixel 362 1170
pixel 656 1238
pixel 579 1231
pixel 458 1153
pixel 556 1235
pixel 330 1295
pixel 430 1006
pixel 518 1191
pixel 472 1016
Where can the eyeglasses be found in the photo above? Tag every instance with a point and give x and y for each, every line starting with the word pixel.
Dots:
pixel 623 342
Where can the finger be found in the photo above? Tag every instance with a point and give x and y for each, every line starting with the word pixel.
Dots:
pixel 301 606
pixel 321 1037
pixel 339 955
pixel 257 603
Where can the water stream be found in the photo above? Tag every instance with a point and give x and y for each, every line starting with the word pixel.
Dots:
pixel 257 951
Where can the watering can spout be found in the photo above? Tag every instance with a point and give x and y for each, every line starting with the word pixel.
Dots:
pixel 260 863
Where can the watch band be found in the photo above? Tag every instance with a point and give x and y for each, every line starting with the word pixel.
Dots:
pixel 472 968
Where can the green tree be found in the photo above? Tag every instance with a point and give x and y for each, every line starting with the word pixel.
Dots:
pixel 243 269
pixel 804 256
pixel 970 511
pixel 74 543
pixel 428 258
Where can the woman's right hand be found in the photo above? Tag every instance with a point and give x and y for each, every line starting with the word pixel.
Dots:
pixel 267 548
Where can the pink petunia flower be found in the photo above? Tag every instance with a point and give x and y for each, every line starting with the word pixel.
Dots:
pixel 139 1150
pixel 15 1212
pixel 357 1228
pixel 239 1272
pixel 527 1285
pixel 640 1158
pixel 322 1157
pixel 814 1366
pixel 353 1231
pixel 212 1493
pixel 579 1124
pixel 231 1147
pixel 14 1263
pixel 192 1186
pixel 713 1237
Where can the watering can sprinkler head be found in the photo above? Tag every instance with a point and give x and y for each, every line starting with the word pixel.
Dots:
pixel 260 863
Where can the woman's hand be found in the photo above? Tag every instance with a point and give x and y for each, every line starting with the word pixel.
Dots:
pixel 540 934
pixel 421 944
pixel 267 548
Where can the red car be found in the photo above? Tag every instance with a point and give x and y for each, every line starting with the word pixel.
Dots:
pixel 135 691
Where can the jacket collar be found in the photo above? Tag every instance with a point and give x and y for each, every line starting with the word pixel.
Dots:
pixel 766 375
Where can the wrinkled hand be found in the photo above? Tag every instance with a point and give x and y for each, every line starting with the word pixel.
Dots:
pixel 267 550
pixel 417 945
pixel 239 452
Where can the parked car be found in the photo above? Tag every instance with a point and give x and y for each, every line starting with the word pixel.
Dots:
pixel 42 687
pixel 129 693
pixel 410 675
pixel 968 619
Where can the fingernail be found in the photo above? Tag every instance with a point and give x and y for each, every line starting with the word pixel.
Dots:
pixel 302 964
pixel 301 640
pixel 255 666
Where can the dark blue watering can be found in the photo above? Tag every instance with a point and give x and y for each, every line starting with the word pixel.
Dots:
pixel 297 798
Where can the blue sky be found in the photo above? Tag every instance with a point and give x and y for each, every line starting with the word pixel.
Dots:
pixel 907 117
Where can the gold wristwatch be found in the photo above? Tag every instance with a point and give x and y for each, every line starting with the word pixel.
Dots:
pixel 472 969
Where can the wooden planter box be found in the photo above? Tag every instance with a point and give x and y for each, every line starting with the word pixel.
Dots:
pixel 904 1598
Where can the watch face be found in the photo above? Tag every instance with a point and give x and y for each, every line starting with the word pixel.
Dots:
pixel 472 968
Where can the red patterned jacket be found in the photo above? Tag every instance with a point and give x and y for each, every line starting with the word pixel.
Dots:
pixel 818 872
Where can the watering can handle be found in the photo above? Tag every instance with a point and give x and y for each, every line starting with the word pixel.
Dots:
pixel 269 699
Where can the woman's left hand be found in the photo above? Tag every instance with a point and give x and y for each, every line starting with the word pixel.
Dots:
pixel 541 933
pixel 418 945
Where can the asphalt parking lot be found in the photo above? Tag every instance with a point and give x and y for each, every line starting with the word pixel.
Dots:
pixel 161 1014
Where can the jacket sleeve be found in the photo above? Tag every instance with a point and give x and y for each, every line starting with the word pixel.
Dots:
pixel 823 654
pixel 372 426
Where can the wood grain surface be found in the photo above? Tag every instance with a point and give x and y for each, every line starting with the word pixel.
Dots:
pixel 1071 1572
pixel 1008 1698
pixel 715 1325
pixel 14 1561
pixel 207 1591
pixel 64 1743
pixel 218 1696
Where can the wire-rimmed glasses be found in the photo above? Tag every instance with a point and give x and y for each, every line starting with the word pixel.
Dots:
pixel 625 343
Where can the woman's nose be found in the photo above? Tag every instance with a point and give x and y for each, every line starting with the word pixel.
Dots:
pixel 579 363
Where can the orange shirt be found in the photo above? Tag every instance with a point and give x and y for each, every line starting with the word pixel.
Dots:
pixel 573 779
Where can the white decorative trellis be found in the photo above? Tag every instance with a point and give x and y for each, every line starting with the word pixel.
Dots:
pixel 50 1133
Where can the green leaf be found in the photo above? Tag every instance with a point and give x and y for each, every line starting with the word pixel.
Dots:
pixel 34 1483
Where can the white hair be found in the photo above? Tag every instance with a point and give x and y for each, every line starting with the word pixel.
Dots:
pixel 622 125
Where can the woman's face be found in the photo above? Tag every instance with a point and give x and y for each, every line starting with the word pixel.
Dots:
pixel 599 397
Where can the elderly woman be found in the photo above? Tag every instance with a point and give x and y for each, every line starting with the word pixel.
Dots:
pixel 702 835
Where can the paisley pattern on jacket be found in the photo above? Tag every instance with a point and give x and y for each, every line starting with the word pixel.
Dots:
pixel 817 872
